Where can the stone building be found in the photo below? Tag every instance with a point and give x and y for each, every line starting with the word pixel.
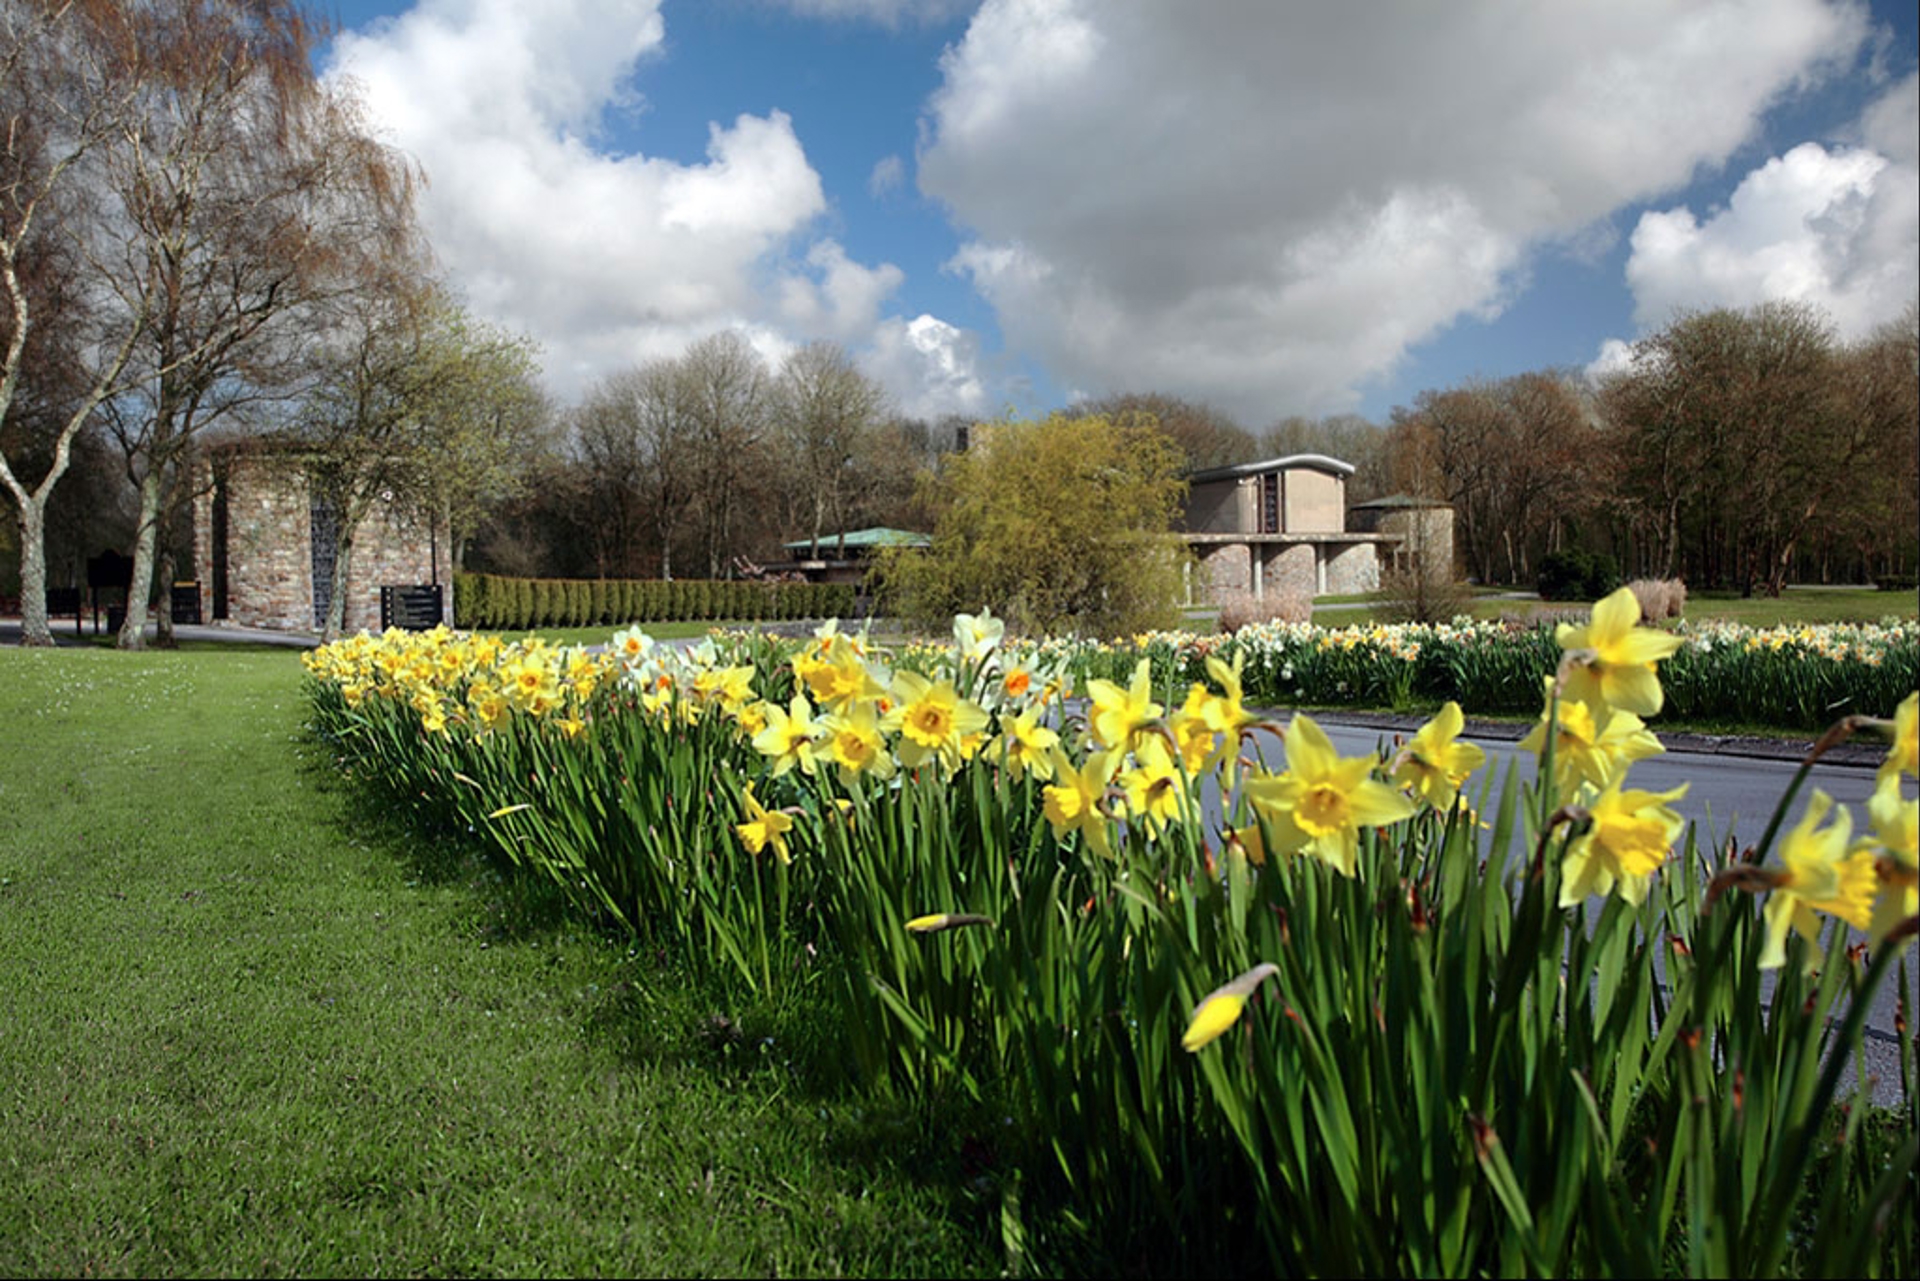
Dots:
pixel 263 545
pixel 1423 525
pixel 1279 526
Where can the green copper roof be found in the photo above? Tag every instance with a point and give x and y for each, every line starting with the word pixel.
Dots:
pixel 863 538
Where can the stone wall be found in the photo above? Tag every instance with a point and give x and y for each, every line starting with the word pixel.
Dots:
pixel 390 549
pixel 253 527
pixel 1287 569
pixel 1225 570
pixel 1352 568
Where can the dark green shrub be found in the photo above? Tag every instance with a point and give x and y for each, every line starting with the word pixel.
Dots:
pixel 1564 575
pixel 1603 575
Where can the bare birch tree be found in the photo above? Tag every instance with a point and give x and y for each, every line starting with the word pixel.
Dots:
pixel 827 412
pixel 66 71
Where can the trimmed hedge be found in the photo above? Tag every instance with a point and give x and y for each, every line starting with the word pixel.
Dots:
pixel 493 602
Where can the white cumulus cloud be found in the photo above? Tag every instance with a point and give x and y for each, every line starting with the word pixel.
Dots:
pixel 1839 228
pixel 1266 205
pixel 929 367
pixel 607 258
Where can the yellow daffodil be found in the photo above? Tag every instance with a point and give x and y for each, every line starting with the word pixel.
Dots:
pixel 839 675
pixel 1630 836
pixel 1247 843
pixel 1227 713
pixel 1612 660
pixel 855 743
pixel 790 736
pixel 1591 746
pixel 1821 874
pixel 932 720
pixel 1119 715
pixel 1194 732
pixel 1322 801
pixel 489 705
pixel 1154 789
pixel 1028 746
pixel 1896 830
pixel 1220 1009
pixel 1072 802
pixel 764 827
pixel 752 718
pixel 1434 764
pixel 1904 756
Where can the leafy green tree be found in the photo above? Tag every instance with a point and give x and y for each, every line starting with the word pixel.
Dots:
pixel 1062 525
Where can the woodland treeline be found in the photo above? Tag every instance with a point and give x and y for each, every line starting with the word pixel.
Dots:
pixel 1737 449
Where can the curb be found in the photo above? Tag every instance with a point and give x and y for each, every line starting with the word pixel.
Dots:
pixel 1856 754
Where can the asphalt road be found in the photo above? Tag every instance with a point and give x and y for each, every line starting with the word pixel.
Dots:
pixel 1734 785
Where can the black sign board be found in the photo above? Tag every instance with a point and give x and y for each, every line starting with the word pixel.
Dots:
pixel 415 609
pixel 186 602
pixel 109 569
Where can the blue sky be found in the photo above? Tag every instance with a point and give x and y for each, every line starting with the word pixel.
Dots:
pixel 1277 208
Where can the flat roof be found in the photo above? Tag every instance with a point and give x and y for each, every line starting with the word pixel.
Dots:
pixel 1311 462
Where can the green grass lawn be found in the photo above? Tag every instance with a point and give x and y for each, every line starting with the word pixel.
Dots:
pixel 253 1029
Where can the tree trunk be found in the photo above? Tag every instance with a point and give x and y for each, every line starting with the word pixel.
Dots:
pixel 163 618
pixel 133 632
pixel 1672 537
pixel 337 602
pixel 33 573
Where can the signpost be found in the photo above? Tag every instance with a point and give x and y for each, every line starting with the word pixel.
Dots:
pixel 416 608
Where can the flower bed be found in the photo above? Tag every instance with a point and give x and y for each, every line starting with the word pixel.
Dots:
pixel 1358 1020
pixel 1800 678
